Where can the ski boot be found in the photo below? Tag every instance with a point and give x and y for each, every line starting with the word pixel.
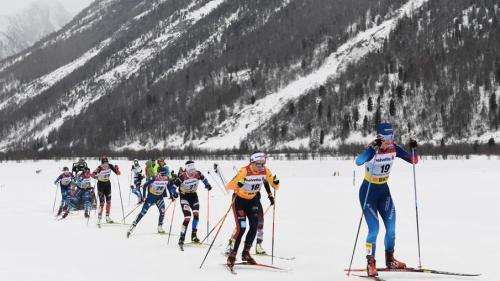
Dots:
pixel 160 229
pixel 392 262
pixel 194 238
pixel 259 250
pixel 231 259
pixel 65 214
pixel 245 255
pixel 132 227
pixel 229 247
pixel 109 220
pixel 371 266
pixel 99 218
pixel 86 214
pixel 59 212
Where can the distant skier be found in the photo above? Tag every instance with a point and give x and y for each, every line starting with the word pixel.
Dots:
pixel 378 158
pixel 149 171
pixel 79 167
pixel 187 182
pixel 103 174
pixel 64 180
pixel 84 187
pixel 160 163
pixel 155 188
pixel 246 184
pixel 137 176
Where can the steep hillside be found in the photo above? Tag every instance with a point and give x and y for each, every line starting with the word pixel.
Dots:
pixel 219 74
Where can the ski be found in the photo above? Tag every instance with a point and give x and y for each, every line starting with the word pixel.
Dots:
pixel 181 247
pixel 418 270
pixel 230 269
pixel 369 277
pixel 260 265
pixel 277 257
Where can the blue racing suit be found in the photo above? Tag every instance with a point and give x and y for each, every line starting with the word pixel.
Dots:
pixel 379 200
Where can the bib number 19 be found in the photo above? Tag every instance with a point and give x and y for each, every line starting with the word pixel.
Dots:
pixel 385 168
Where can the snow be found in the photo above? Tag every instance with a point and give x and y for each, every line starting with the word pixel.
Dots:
pixel 43 83
pixel 234 130
pixel 317 216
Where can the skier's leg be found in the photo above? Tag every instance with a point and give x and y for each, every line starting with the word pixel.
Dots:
pixel 371 216
pixel 144 210
pixel 160 203
pixel 240 217
pixel 186 210
pixel 107 193
pixel 387 211
pixel 260 227
pixel 252 211
pixel 101 195
pixel 195 207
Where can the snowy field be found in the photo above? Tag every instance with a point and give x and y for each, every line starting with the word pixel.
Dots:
pixel 316 221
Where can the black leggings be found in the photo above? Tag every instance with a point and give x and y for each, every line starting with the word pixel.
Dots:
pixel 243 209
pixel 190 202
pixel 104 193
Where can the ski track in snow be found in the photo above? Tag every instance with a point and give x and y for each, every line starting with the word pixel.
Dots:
pixel 234 130
pixel 458 225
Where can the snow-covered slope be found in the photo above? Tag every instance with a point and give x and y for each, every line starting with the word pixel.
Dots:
pixel 316 222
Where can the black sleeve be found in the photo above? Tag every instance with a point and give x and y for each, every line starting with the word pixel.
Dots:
pixel 268 188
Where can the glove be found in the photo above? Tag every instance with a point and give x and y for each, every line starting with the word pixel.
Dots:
pixel 117 170
pixel 177 182
pixel 175 195
pixel 209 187
pixel 276 181
pixel 240 184
pixel 413 144
pixel 271 199
pixel 376 143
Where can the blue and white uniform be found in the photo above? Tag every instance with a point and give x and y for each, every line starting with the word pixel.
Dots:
pixel 379 201
pixel 65 180
pixel 155 188
pixel 84 187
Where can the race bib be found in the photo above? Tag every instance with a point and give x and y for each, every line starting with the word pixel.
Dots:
pixel 253 183
pixel 104 175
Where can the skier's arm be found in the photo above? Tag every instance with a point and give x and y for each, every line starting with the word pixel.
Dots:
pixel 403 154
pixel 272 180
pixel 58 179
pixel 238 180
pixel 115 169
pixel 145 186
pixel 205 181
pixel 365 156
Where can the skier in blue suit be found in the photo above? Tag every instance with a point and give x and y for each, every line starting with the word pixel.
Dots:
pixel 64 180
pixel 378 158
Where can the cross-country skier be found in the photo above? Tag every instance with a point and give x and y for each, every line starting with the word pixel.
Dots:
pixel 84 187
pixel 379 157
pixel 65 179
pixel 149 169
pixel 79 167
pixel 103 174
pixel 155 188
pixel 246 184
pixel 259 250
pixel 187 182
pixel 137 176
pixel 159 164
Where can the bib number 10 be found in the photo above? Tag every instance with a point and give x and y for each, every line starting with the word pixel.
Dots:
pixel 255 187
pixel 385 168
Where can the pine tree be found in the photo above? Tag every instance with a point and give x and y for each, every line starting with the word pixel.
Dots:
pixel 392 108
pixel 370 104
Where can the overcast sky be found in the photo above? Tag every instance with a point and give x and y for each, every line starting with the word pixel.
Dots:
pixel 12 6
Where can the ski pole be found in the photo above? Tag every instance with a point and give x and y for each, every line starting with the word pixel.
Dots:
pixel 171 222
pixel 362 214
pixel 274 216
pixel 416 206
pixel 90 207
pixel 121 199
pixel 208 213
pixel 268 208
pixel 55 199
pixel 218 223
pixel 218 231
pixel 130 189
pixel 217 182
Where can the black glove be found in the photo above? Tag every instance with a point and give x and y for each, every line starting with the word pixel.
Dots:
pixel 177 182
pixel 276 181
pixel 376 143
pixel 271 199
pixel 413 144
pixel 174 196
pixel 240 184
pixel 209 187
